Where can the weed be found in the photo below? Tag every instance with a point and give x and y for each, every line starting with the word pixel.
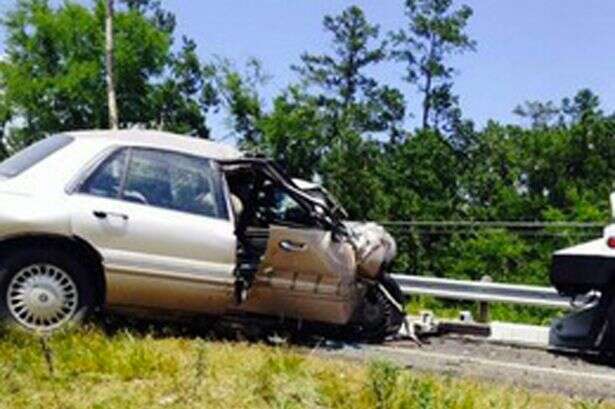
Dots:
pixel 594 404
pixel 48 354
pixel 85 368
pixel 382 382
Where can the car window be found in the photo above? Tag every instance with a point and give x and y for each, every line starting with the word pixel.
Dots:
pixel 33 154
pixel 277 206
pixel 106 181
pixel 174 181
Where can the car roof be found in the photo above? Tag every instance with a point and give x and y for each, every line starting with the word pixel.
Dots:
pixel 160 140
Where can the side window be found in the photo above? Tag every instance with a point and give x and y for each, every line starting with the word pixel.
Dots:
pixel 106 181
pixel 147 181
pixel 174 181
pixel 279 207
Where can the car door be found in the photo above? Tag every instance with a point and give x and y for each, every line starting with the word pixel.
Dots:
pixel 306 271
pixel 160 220
pixel 299 249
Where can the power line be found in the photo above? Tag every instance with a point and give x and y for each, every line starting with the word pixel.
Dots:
pixel 494 224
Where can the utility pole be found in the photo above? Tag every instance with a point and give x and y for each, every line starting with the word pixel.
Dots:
pixel 112 102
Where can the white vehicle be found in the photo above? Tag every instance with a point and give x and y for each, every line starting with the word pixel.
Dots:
pixel 144 221
pixel 586 273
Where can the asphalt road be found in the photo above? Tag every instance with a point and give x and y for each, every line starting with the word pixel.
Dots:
pixel 508 365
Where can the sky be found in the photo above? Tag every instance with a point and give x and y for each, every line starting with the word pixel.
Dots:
pixel 527 49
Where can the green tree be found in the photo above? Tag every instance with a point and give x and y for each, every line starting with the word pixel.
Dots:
pixel 182 100
pixel 238 94
pixel 343 73
pixel 163 19
pixel 53 74
pixel 585 105
pixel 497 253
pixel 493 181
pixel 540 114
pixel 345 87
pixel 351 172
pixel 293 133
pixel 422 178
pixel 434 32
pixel 512 173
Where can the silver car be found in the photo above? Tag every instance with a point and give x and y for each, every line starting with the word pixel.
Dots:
pixel 149 222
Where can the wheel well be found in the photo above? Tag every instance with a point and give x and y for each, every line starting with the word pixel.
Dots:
pixel 74 245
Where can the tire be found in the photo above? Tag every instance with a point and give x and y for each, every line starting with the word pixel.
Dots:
pixel 44 289
pixel 377 318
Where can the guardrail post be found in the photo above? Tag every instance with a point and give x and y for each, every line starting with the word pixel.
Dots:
pixel 483 306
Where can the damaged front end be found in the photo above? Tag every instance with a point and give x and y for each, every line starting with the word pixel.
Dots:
pixel 381 312
pixel 376 248
pixel 298 258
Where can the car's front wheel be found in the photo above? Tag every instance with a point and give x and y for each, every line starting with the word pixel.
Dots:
pixel 379 315
pixel 43 289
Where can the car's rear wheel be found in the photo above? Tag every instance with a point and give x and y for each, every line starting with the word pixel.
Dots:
pixel 43 289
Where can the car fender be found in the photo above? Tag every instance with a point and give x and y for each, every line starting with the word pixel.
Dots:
pixel 30 214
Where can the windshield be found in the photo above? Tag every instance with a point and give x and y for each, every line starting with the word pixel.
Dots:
pixel 32 155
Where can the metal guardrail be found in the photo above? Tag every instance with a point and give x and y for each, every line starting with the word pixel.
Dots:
pixel 481 291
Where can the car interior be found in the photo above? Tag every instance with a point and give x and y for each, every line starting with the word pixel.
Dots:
pixel 260 201
pixel 182 183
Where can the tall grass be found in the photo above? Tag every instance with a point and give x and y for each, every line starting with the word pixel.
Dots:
pixel 87 368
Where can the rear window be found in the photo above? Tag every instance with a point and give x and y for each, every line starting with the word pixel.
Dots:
pixel 25 159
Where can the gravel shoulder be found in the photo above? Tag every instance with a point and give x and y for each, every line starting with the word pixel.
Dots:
pixel 515 366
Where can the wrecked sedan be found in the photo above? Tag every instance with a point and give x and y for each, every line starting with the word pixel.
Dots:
pixel 149 222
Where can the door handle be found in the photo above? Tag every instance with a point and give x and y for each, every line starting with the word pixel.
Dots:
pixel 289 246
pixel 99 214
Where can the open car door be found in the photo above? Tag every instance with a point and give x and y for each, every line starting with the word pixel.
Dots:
pixel 287 239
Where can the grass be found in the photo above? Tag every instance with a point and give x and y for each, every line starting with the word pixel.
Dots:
pixel 87 368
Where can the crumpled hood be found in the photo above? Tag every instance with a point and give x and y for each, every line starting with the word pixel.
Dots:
pixel 376 248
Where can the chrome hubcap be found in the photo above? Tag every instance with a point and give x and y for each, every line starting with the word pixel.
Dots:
pixel 42 297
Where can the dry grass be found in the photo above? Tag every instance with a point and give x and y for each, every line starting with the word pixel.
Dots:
pixel 89 369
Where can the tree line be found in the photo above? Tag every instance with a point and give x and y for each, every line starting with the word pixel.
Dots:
pixel 338 123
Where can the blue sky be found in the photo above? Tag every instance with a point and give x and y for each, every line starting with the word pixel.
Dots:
pixel 527 49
